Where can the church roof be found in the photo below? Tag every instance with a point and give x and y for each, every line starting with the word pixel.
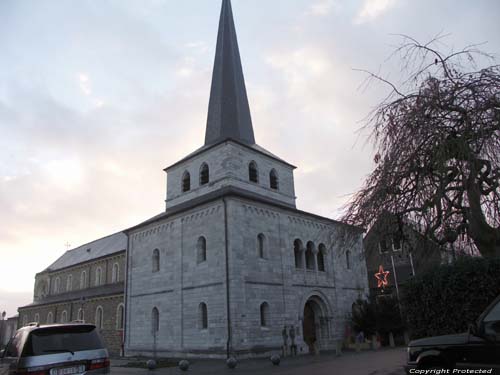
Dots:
pixel 93 250
pixel 228 110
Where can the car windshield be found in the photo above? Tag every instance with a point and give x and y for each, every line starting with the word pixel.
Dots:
pixel 62 339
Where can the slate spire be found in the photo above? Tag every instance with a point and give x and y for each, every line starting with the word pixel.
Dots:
pixel 228 109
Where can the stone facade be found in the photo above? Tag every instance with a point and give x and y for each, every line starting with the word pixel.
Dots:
pixel 85 284
pixel 250 261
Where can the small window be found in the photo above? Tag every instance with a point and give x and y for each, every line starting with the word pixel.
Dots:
pixel 203 312
pixel 310 256
pixel 83 280
pixel 186 182
pixel 25 320
pixel 321 257
pixel 383 247
pixel 201 249
pixel 273 180
pixel 69 283
pixel 348 259
pixel 98 276
pixel 261 243
pixel 264 314
pixel 37 318
pixel 253 174
pixel 98 317
pixel 297 252
pixel 120 316
pixel 81 315
pixel 64 317
pixel 50 318
pixel 396 242
pixel 57 285
pixel 204 174
pixel 155 321
pixel 156 260
pixel 115 274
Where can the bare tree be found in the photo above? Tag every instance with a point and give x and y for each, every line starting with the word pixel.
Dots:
pixel 437 137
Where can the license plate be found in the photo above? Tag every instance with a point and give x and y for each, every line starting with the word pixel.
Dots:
pixel 68 370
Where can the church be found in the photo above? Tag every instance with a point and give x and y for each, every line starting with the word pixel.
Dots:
pixel 231 267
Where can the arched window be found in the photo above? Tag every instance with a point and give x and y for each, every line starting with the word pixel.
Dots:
pixel 297 252
pixel 50 318
pixel 253 173
pixel 25 320
pixel 115 274
pixel 156 260
pixel 120 316
pixel 69 283
pixel 98 276
pixel 83 280
pixel 98 317
pixel 201 249
pixel 81 315
pixel 264 314
pixel 310 256
pixel 57 285
pixel 273 180
pixel 321 257
pixel 204 174
pixel 348 259
pixel 155 321
pixel 186 182
pixel 64 317
pixel 37 318
pixel 203 313
pixel 261 246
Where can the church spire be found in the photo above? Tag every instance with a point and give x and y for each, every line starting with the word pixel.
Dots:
pixel 228 109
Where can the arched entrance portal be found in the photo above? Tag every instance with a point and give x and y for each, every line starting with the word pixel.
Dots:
pixel 316 324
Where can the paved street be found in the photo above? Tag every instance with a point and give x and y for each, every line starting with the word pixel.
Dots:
pixel 386 362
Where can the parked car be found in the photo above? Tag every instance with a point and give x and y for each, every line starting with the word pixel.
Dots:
pixel 479 348
pixel 57 349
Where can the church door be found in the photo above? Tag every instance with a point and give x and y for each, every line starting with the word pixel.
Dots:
pixel 309 327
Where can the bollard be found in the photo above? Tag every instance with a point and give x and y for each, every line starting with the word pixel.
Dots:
pixel 231 362
pixel 391 340
pixel 184 365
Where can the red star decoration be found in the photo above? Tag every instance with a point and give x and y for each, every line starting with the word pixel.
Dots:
pixel 381 277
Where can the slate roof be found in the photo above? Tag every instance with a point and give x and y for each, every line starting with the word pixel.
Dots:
pixel 228 109
pixel 93 250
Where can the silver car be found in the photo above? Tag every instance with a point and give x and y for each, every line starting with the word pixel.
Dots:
pixel 57 349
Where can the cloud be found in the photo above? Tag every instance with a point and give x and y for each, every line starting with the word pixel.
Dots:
pixel 323 7
pixel 373 9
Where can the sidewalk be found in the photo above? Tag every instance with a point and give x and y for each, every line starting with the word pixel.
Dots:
pixel 384 361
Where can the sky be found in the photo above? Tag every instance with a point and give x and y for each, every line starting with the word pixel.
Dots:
pixel 98 96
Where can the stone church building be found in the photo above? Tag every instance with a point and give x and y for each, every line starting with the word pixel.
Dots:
pixel 84 284
pixel 229 266
pixel 232 261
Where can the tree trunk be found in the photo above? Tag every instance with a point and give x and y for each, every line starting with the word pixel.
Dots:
pixel 486 237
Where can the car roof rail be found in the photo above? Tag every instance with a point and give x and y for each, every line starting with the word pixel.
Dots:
pixel 34 324
pixel 78 321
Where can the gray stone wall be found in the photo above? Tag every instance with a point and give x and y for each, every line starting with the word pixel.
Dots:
pixel 177 291
pixel 45 283
pixel 228 163
pixel 180 285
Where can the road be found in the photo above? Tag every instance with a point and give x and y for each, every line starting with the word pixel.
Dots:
pixel 382 362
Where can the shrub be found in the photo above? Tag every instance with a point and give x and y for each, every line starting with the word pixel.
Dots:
pixel 447 298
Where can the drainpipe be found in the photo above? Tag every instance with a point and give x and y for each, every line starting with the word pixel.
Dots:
pixel 228 312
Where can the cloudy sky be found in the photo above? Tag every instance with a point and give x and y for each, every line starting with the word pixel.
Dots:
pixel 97 97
